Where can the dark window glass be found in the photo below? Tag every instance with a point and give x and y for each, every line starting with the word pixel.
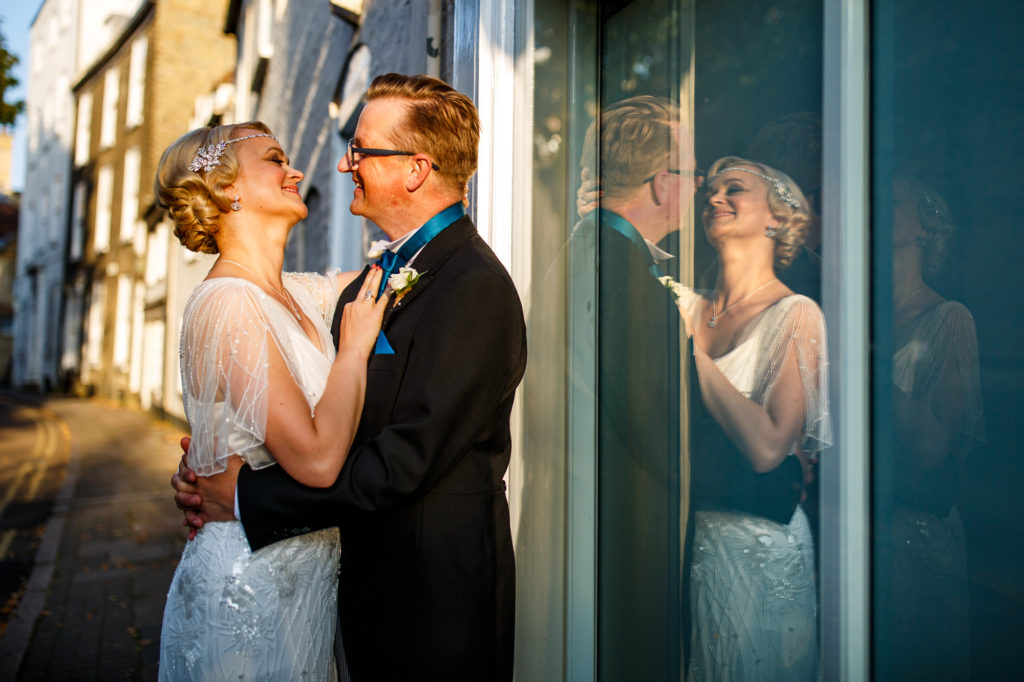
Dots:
pixel 947 331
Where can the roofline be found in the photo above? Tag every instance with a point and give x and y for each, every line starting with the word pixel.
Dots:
pixel 36 15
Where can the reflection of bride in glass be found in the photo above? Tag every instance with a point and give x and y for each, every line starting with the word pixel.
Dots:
pixel 759 396
pixel 937 418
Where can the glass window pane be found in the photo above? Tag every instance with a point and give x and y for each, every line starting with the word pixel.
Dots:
pixel 633 99
pixel 947 331
pixel 639 147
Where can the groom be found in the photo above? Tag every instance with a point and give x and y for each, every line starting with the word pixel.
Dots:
pixel 427 584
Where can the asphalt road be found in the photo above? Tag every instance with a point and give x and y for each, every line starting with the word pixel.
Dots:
pixel 89 538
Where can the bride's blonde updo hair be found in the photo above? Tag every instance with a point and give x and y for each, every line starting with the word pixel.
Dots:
pixel 196 200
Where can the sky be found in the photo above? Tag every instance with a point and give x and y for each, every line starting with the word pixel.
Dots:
pixel 17 17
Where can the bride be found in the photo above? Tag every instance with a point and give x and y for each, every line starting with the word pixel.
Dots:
pixel 759 395
pixel 259 375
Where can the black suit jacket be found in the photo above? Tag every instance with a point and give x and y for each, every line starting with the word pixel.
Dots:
pixel 640 603
pixel 427 586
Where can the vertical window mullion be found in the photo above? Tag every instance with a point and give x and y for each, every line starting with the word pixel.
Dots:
pixel 845 470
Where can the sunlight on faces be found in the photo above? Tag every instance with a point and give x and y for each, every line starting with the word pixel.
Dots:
pixel 378 181
pixel 265 181
pixel 736 203
pixel 684 186
pixel 743 203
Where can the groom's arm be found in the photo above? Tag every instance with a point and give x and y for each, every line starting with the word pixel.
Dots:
pixel 457 387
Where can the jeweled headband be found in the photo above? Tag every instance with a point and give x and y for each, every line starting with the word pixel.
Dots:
pixel 208 157
pixel 781 188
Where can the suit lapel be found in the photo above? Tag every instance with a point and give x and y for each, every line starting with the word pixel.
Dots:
pixel 431 259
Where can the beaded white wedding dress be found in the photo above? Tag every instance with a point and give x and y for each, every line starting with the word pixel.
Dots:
pixel 752 590
pixel 232 613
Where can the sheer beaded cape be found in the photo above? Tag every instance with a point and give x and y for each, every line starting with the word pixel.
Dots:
pixel 792 322
pixel 943 337
pixel 229 328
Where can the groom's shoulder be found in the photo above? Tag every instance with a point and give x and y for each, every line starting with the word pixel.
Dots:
pixel 473 254
pixel 473 277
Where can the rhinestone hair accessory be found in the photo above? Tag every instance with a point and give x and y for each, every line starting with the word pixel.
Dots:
pixel 781 188
pixel 207 158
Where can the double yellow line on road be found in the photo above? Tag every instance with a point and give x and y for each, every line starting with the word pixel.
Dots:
pixel 50 429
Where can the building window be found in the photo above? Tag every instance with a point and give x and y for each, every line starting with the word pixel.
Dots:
pixel 111 92
pixel 58 205
pixel 34 116
pixel 123 322
pixel 83 129
pixel 156 255
pixel 136 82
pixel 130 194
pixel 104 201
pixel 73 326
pixel 94 339
pixel 77 222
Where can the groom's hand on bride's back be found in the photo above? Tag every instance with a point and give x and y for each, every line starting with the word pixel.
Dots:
pixel 207 498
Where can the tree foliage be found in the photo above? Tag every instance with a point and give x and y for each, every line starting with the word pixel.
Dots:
pixel 9 111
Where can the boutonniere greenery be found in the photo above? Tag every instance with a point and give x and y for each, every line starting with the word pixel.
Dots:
pixel 685 296
pixel 402 281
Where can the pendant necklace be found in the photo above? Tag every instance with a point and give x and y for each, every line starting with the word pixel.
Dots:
pixel 713 322
pixel 286 296
pixel 905 299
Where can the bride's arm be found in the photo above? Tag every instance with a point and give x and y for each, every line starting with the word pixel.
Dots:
pixel 312 449
pixel 766 435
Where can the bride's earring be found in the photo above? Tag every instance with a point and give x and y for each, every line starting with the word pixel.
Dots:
pixel 236 205
pixel 770 232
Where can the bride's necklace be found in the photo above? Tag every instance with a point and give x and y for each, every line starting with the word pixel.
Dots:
pixel 713 322
pixel 905 299
pixel 285 296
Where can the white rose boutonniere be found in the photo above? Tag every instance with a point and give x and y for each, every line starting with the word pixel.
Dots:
pixel 402 281
pixel 685 296
pixel 376 249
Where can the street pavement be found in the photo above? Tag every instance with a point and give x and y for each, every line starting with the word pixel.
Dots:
pixel 89 538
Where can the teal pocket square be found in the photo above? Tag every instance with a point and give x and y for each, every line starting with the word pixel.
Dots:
pixel 383 347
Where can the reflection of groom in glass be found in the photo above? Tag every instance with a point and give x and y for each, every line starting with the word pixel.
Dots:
pixel 643 157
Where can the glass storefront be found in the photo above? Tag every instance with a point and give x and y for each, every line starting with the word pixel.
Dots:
pixel 692 434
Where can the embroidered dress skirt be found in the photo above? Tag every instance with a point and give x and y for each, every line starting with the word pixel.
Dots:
pixel 235 614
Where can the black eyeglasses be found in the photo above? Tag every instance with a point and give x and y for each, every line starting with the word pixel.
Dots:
pixel 368 151
pixel 696 174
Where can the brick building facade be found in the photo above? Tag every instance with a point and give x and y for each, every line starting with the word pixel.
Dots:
pixel 132 102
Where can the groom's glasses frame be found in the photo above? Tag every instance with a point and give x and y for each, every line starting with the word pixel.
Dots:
pixel 369 151
pixel 697 174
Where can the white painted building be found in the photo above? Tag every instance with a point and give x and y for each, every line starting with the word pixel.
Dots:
pixel 65 35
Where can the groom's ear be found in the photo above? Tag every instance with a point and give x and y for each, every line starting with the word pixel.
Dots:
pixel 419 170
